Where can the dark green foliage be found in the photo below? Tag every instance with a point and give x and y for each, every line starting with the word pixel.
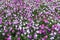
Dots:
pixel 41 22
pixel 35 12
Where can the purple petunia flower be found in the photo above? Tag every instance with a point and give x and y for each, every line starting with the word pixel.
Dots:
pixel 0 20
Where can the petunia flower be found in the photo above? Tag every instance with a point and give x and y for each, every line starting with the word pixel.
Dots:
pixel 18 38
pixel 0 20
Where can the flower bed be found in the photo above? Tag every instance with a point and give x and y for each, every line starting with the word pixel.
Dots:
pixel 29 20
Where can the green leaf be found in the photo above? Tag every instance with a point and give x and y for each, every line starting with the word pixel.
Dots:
pixel 25 20
pixel 41 8
pixel 40 36
pixel 35 12
pixel 1 37
pixel 0 25
pixel 41 22
pixel 13 38
pixel 50 25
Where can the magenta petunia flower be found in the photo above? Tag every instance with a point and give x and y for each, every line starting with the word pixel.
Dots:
pixel 0 20
pixel 15 22
pixel 18 38
pixel 46 21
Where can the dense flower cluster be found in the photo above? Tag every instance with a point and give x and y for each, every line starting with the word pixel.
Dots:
pixel 29 20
